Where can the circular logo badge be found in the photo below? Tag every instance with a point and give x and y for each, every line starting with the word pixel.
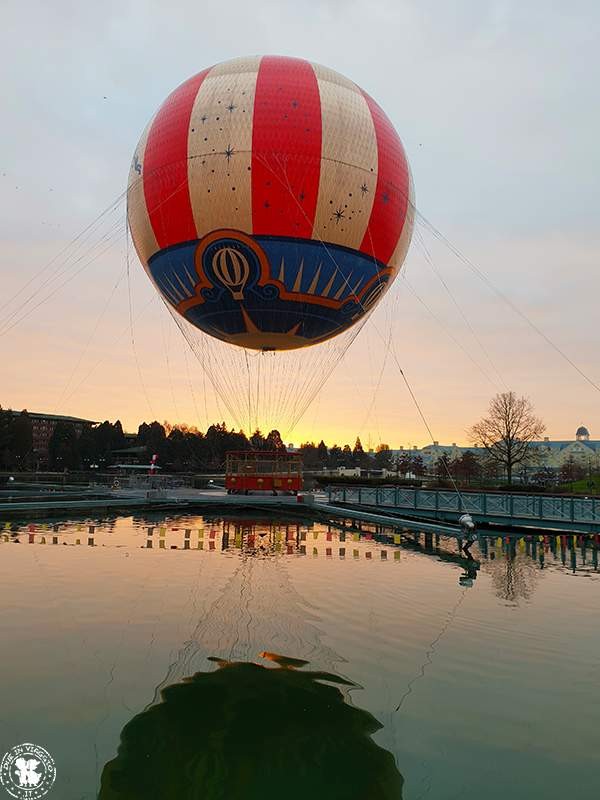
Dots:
pixel 27 771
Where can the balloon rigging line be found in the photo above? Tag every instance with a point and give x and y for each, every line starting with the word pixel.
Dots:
pixel 337 358
pixel 311 223
pixel 131 328
pixel 422 415
pixel 447 332
pixel 378 384
pixel 63 267
pixel 64 250
pixel 334 355
pixel 168 365
pixel 204 390
pixel 91 336
pixel 300 402
pixel 205 359
pixel 249 396
pixel 465 260
pixel 421 243
pixel 345 280
pixel 375 327
pixel 189 377
pixel 430 650
pixel 392 301
pixel 122 335
pixel 204 356
pixel 483 277
pixel 166 346
pixel 13 320
pixel 439 236
pixel 204 362
pixel 317 410
pixel 12 323
pixel 259 362
pixel 180 666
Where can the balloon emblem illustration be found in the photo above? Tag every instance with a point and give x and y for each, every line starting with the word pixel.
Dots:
pixel 271 203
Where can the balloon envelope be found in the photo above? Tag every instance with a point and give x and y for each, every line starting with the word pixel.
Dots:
pixel 270 201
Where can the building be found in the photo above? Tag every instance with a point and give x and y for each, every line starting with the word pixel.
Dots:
pixel 42 427
pixel 582 450
pixel 546 453
pixel 132 455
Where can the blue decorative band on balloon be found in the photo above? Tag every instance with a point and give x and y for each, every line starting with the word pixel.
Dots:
pixel 268 292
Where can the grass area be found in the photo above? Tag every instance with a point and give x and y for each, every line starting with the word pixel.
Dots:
pixel 587 485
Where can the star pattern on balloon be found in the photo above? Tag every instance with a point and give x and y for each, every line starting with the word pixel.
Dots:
pixel 293 192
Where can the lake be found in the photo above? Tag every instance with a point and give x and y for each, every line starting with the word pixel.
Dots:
pixel 245 657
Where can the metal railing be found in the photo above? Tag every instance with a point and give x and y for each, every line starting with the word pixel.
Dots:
pixel 482 505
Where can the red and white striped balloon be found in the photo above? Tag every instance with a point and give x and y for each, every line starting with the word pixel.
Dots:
pixel 272 146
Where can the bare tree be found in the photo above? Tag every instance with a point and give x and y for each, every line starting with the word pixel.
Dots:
pixel 508 430
pixel 514 576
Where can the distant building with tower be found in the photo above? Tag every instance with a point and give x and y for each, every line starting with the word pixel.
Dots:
pixel 548 453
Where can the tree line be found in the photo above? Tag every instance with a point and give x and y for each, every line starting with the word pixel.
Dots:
pixel 504 436
pixel 179 448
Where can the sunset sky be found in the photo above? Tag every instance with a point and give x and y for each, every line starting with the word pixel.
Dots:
pixel 496 103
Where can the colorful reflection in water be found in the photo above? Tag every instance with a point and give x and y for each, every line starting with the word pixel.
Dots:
pixel 145 654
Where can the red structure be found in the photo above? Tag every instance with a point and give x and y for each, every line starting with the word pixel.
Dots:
pixel 254 470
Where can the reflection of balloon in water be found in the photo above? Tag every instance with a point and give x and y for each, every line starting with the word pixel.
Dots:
pixel 246 732
pixel 270 202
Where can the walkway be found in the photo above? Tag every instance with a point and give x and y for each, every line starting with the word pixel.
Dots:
pixel 540 511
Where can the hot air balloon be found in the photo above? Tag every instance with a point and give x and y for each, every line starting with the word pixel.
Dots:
pixel 270 202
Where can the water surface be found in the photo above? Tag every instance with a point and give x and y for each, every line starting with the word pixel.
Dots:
pixel 207 658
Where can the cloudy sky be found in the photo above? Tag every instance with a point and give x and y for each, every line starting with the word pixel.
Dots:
pixel 497 106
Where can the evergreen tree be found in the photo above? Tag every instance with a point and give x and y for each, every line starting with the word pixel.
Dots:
pixel 359 457
pixel 466 468
pixel 335 457
pixel 258 441
pixel 383 457
pixel 6 422
pixel 153 437
pixel 323 454
pixel 63 447
pixel 310 456
pixel 347 457
pixel 417 466
pixel 274 442
pixel 442 467
pixel 21 440
pixel 571 471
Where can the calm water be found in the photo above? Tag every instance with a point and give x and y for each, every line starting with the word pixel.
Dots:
pixel 185 657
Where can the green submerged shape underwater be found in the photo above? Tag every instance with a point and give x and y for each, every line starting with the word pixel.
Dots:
pixel 247 731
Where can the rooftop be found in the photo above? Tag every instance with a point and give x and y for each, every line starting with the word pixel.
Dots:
pixel 53 417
